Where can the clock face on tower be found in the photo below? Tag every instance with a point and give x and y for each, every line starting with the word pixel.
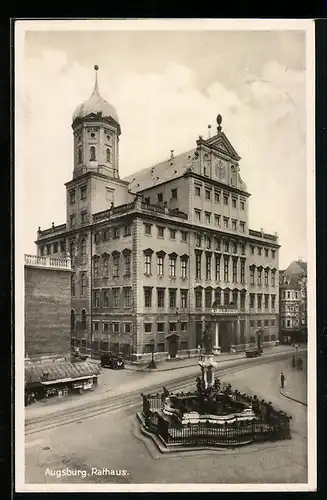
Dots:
pixel 221 169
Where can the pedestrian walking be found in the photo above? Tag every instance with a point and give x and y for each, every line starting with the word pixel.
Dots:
pixel 282 380
pixel 293 362
pixel 300 363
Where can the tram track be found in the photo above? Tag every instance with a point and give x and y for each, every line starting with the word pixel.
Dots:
pixel 113 402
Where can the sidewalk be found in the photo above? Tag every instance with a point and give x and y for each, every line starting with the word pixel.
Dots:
pixel 176 364
pixel 296 384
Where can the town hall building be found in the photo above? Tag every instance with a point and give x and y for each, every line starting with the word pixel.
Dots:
pixel 165 254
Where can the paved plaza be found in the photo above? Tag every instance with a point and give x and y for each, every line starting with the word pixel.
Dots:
pixel 112 441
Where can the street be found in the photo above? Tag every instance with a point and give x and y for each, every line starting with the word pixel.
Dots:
pixel 112 441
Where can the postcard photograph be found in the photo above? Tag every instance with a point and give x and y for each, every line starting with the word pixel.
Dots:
pixel 165 255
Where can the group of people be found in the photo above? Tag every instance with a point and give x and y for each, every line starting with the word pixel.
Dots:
pixel 297 363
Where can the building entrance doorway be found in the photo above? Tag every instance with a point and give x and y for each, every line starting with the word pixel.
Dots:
pixel 172 341
pixel 225 340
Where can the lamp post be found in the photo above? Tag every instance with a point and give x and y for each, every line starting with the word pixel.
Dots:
pixel 152 363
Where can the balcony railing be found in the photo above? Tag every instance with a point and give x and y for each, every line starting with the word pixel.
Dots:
pixel 41 261
pixel 106 214
pixel 261 234
pixel 54 229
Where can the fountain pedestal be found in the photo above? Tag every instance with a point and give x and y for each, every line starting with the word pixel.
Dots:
pixel 208 365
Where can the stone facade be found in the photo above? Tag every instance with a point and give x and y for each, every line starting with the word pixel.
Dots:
pixel 47 306
pixel 165 244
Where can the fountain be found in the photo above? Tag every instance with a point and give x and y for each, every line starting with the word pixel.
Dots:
pixel 212 415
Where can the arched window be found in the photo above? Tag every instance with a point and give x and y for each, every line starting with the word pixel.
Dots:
pixel 83 319
pixel 72 320
pixel 206 164
pixel 80 156
pixel 108 154
pixel 92 153
pixel 83 252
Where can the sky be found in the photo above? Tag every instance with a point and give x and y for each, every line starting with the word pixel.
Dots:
pixel 167 86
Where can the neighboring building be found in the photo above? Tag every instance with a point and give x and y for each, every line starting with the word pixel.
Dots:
pixel 293 302
pixel 47 306
pixel 165 244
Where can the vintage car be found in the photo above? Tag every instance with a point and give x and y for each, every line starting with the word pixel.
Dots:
pixel 76 355
pixel 112 361
pixel 253 353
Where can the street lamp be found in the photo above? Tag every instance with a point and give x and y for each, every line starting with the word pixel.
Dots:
pixel 152 363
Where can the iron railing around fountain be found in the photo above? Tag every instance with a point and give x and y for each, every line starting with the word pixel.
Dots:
pixel 270 425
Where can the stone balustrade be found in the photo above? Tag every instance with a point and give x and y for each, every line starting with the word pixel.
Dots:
pixel 47 261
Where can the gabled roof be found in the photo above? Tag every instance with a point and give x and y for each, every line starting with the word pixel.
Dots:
pixel 221 142
pixel 170 169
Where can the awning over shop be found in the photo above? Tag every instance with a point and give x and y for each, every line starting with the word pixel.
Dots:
pixel 59 372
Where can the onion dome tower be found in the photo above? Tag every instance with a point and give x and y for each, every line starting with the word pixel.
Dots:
pixel 96 136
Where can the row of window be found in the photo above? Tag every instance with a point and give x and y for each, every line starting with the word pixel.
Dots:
pixel 221 298
pixel 217 220
pixel 161 264
pixel 262 301
pixel 51 248
pixel 161 232
pixel 289 308
pixel 216 243
pixel 92 154
pixel 238 272
pixel 114 297
pixel 259 251
pixel 160 198
pixel 120 263
pixel 261 322
pixel 290 294
pixel 208 196
pixel 290 323
pixel 259 276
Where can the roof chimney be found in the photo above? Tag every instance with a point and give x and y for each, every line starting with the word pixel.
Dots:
pixel 171 153
pixel 209 131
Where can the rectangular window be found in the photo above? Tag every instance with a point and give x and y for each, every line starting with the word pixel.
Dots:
pixel 259 322
pixel 225 199
pixel 147 264
pixel 198 299
pixel 172 234
pixel 235 297
pixel 226 298
pixel 147 297
pixel 217 197
pixel 105 298
pixel 72 285
pixel 160 265
pixel 106 327
pixel 234 247
pixel 116 297
pixel 106 234
pixel 273 253
pixel 208 240
pixel 273 302
pixel 208 266
pixel 259 301
pixel 234 270
pixel 217 244
pixel 242 271
pixel 217 267
pixel 83 192
pixel 198 265
pixel 273 322
pixel 147 327
pixel 72 197
pixel 127 297
pixel 266 252
pixel 84 218
pixel 226 246
pixel 172 299
pixel 127 230
pixel 184 296
pixel 116 327
pixel 184 236
pixel 115 233
pixel 105 267
pixel 252 250
pixel 242 300
pixel 259 250
pixel 160 197
pixel 147 200
pixel 127 264
pixel 198 240
pixel 266 277
pixel 234 225
pixel 55 247
pixel 83 284
pixel 197 215
pixel 172 267
pixel 252 299
pixel 233 203
pixel 96 266
pixel 97 238
pixel 226 222
pixel 72 220
pixel 96 326
pixel 242 226
pixel 184 268
pixel 174 194
pixel 218 296
pixel 208 217
pixel 115 265
pixel 197 191
pixel 242 205
pixel 161 232
pixel 252 276
pixel 147 229
pixel 252 323
pixel 266 302
pixel 183 326
pixel 161 297
pixel 208 194
pixel 259 277
pixel 160 327
pixel 217 220
pixel 243 248
pixel 172 327
pixel 273 278
pixel 226 269
pixel 127 328
pixel 208 299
